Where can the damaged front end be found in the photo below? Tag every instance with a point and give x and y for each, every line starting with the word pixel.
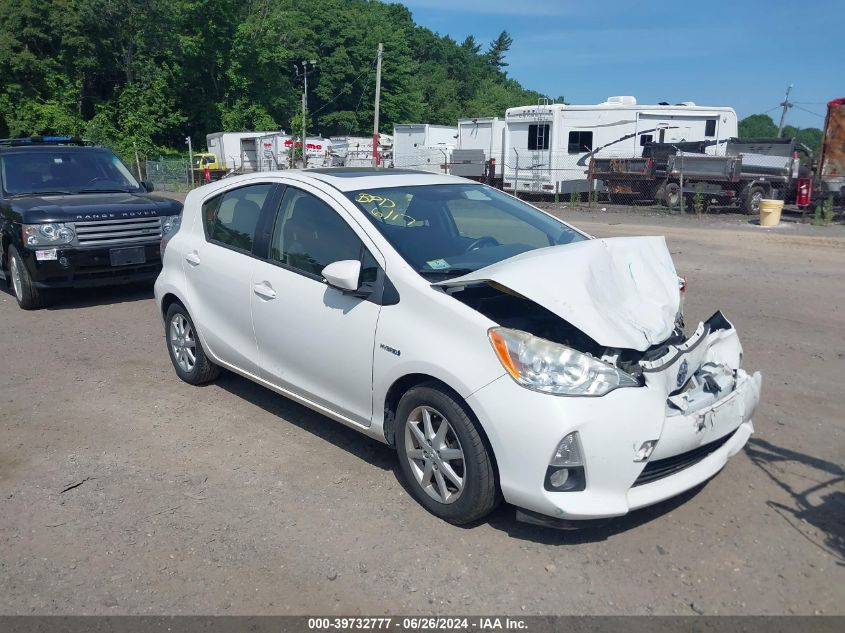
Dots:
pixel 682 405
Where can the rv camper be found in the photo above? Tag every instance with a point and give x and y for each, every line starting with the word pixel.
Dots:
pixel 423 146
pixel 548 147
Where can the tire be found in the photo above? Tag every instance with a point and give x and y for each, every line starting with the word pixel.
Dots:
pixel 28 296
pixel 671 196
pixel 422 448
pixel 182 343
pixel 751 200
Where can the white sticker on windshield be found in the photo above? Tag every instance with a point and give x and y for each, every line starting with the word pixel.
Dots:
pixel 476 194
pixel 438 264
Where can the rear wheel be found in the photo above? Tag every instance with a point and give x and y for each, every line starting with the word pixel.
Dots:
pixel 671 195
pixel 443 457
pixel 28 296
pixel 751 200
pixel 186 352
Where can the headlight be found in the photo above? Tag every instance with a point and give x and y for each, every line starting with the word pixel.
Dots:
pixel 170 225
pixel 552 368
pixel 47 234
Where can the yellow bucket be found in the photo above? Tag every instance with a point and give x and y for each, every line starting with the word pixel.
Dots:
pixel 770 212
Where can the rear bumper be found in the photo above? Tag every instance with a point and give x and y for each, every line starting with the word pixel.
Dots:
pixel 90 267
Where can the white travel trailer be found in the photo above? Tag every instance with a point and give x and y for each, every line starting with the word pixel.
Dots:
pixel 236 150
pixel 486 134
pixel 423 146
pixel 548 147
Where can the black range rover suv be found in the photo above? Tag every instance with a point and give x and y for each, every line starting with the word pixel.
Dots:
pixel 72 215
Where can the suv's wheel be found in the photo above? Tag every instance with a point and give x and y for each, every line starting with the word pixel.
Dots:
pixel 29 297
pixel 186 352
pixel 443 457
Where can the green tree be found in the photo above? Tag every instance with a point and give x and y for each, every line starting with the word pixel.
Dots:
pixel 757 126
pixel 496 53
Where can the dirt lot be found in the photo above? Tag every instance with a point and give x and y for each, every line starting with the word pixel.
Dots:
pixel 230 499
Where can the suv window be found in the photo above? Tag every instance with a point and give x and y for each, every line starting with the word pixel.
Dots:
pixel 231 218
pixel 309 235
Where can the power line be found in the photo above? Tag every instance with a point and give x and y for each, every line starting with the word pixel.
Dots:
pixel 821 116
pixel 346 88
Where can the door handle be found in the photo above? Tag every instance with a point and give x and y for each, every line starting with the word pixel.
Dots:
pixel 264 290
pixel 193 259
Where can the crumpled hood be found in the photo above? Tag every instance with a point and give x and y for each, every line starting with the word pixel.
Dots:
pixel 622 292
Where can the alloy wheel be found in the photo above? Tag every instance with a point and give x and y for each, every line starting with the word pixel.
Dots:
pixel 182 342
pixel 434 454
pixel 15 271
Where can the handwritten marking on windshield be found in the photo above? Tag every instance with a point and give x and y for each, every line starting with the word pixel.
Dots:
pixel 367 198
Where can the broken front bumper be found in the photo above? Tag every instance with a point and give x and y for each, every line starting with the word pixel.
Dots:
pixel 696 402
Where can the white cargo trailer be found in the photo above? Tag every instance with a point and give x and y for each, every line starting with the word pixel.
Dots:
pixel 423 146
pixel 548 147
pixel 486 134
pixel 236 150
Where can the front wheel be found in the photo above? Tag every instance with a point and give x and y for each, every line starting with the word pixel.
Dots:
pixel 28 296
pixel 186 352
pixel 443 457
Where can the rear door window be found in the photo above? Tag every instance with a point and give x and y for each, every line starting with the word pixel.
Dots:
pixel 231 218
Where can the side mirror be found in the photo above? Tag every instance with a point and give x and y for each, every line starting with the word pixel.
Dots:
pixel 343 275
pixel 146 184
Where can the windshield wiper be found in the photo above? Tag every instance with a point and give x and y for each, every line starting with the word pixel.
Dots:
pixel 25 194
pixel 104 191
pixel 447 272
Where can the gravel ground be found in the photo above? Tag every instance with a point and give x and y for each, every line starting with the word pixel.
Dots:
pixel 126 491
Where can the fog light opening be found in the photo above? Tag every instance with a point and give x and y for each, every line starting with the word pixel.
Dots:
pixel 645 450
pixel 559 477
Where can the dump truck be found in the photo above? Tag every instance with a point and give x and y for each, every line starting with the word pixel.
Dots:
pixel 744 172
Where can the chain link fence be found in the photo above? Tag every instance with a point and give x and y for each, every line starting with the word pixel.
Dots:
pixel 169 174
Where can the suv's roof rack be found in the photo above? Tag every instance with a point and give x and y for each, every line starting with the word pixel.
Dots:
pixel 44 140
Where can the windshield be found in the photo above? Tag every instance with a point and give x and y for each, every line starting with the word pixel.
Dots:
pixel 450 230
pixel 64 170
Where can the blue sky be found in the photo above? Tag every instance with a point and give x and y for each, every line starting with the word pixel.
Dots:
pixel 741 54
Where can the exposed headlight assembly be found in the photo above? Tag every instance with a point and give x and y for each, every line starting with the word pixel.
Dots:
pixel 548 367
pixel 50 234
pixel 170 224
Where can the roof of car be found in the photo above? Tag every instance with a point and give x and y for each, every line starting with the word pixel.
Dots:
pixel 357 178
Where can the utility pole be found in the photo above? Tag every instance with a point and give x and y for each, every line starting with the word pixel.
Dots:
pixel 786 105
pixel 376 111
pixel 190 159
pixel 305 72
